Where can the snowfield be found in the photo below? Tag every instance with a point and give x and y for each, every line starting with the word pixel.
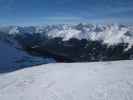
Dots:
pixel 75 81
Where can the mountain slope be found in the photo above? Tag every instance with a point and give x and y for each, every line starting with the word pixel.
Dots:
pixel 76 81
pixel 9 55
pixel 12 57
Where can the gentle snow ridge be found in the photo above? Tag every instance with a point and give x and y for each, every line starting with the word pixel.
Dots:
pixel 76 81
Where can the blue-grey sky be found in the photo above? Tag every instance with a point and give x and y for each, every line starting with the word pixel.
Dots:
pixel 39 12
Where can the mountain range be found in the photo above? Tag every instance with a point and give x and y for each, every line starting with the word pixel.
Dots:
pixel 72 43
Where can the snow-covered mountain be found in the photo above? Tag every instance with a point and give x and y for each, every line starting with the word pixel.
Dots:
pixel 108 33
pixel 77 81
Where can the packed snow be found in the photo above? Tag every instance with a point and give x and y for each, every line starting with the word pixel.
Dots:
pixel 75 81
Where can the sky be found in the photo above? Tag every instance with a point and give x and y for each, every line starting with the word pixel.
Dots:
pixel 41 12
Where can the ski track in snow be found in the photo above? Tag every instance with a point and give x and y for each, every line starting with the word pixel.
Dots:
pixel 76 81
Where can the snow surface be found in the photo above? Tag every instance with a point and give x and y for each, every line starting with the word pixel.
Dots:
pixel 75 81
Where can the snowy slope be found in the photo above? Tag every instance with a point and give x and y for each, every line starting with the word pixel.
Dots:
pixel 76 81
